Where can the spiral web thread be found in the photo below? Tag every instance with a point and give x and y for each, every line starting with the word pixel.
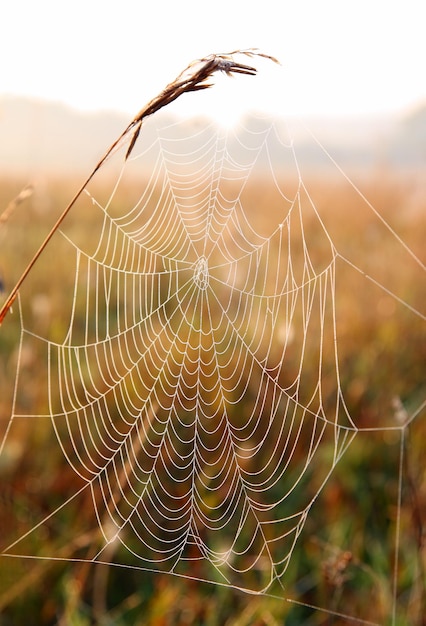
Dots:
pixel 186 384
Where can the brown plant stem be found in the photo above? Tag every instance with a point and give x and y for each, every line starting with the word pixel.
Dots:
pixel 193 78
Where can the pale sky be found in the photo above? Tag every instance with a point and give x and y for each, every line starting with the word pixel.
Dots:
pixel 338 57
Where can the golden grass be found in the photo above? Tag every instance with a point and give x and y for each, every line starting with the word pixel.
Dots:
pixel 382 355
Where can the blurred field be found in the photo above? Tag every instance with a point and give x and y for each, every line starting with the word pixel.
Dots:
pixel 344 559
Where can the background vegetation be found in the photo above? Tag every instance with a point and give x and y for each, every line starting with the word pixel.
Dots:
pixel 344 561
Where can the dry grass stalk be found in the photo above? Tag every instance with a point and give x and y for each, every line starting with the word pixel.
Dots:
pixel 24 194
pixel 194 78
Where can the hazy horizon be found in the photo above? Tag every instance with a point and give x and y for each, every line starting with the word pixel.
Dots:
pixel 48 135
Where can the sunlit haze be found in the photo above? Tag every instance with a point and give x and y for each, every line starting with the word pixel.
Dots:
pixel 338 58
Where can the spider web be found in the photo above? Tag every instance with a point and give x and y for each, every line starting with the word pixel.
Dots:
pixel 192 356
